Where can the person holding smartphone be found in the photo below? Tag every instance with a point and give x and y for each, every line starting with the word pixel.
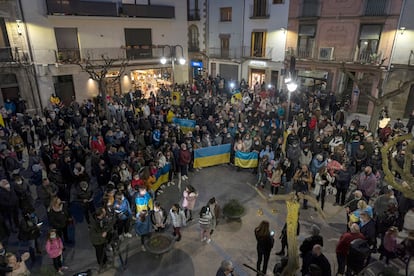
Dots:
pixel 265 242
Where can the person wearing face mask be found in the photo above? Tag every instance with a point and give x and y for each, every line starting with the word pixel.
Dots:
pixel 23 193
pixel 158 217
pixel 84 197
pixel 17 143
pixel 123 213
pixel 367 183
pixel 98 234
pixel 226 269
pixel 316 262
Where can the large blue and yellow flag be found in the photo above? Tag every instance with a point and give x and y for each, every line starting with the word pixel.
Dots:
pixel 186 125
pixel 246 159
pixel 161 176
pixel 210 156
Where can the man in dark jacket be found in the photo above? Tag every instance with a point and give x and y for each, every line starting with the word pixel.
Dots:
pixel 9 205
pixel 343 178
pixel 98 234
pixel 316 260
pixel 309 242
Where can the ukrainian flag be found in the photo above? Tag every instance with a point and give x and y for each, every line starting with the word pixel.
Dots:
pixel 185 124
pixel 236 95
pixel 211 156
pixel 176 98
pixel 246 159
pixel 161 176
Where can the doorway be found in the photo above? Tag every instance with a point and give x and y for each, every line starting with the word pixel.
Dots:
pixel 64 88
pixel 256 75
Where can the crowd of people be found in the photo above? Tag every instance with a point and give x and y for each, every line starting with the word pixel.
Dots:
pixel 120 143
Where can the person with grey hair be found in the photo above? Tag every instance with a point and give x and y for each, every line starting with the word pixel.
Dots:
pixel 342 248
pixel 226 269
pixel 315 260
pixel 308 244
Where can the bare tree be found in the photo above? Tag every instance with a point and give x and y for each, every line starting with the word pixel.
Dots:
pixel 98 71
pixel 379 101
pixel 390 165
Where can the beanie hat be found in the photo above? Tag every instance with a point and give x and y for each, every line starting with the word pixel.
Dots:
pixel 315 230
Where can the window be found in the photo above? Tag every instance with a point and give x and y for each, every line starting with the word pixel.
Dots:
pixel 67 44
pixel 260 8
pixel 278 1
pixel 225 14
pixel 376 7
pixel 224 46
pixel 193 12
pixel 193 44
pixel 368 42
pixel 306 40
pixel 5 50
pixel 258 44
pixel 138 43
pixel 310 8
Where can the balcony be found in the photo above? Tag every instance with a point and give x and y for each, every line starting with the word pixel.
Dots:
pixel 301 52
pixel 6 54
pixel 193 48
pixel 148 11
pixel 9 54
pixel 99 8
pixel 368 57
pixel 310 8
pixel 193 15
pixel 376 7
pixel 233 53
pixel 70 56
pixel 259 12
pixel 258 53
pixel 82 8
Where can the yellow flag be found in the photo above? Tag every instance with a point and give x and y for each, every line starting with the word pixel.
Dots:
pixel 1 120
pixel 176 98
pixel 170 116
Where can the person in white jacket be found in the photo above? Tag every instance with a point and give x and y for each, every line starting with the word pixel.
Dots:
pixel 177 218
pixel 322 180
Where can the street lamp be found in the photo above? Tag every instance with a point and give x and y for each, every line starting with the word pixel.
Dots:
pixel 173 56
pixel 291 87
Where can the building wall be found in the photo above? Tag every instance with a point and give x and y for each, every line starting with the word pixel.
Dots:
pixel 404 43
pixel 97 33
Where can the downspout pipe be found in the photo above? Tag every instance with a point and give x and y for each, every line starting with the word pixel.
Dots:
pixel 387 74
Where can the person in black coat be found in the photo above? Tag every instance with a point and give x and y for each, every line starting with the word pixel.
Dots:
pixel 368 229
pixel 29 230
pixel 59 218
pixel 343 178
pixel 316 261
pixel 265 242
pixel 9 205
pixel 307 244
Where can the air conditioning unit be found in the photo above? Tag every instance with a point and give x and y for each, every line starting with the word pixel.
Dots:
pixel 326 53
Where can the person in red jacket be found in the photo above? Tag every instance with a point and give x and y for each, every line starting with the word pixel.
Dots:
pixel 342 248
pixel 98 144
pixel 185 158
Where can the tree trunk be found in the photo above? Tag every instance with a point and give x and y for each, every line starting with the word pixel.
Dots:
pixel 102 91
pixel 292 218
pixel 373 122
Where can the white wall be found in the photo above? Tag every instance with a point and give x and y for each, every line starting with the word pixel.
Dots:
pixel 234 28
pixel 404 42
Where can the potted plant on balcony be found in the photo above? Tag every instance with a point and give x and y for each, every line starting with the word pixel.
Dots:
pixel 233 209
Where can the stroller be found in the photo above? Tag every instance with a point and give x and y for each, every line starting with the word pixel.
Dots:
pixel 357 257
